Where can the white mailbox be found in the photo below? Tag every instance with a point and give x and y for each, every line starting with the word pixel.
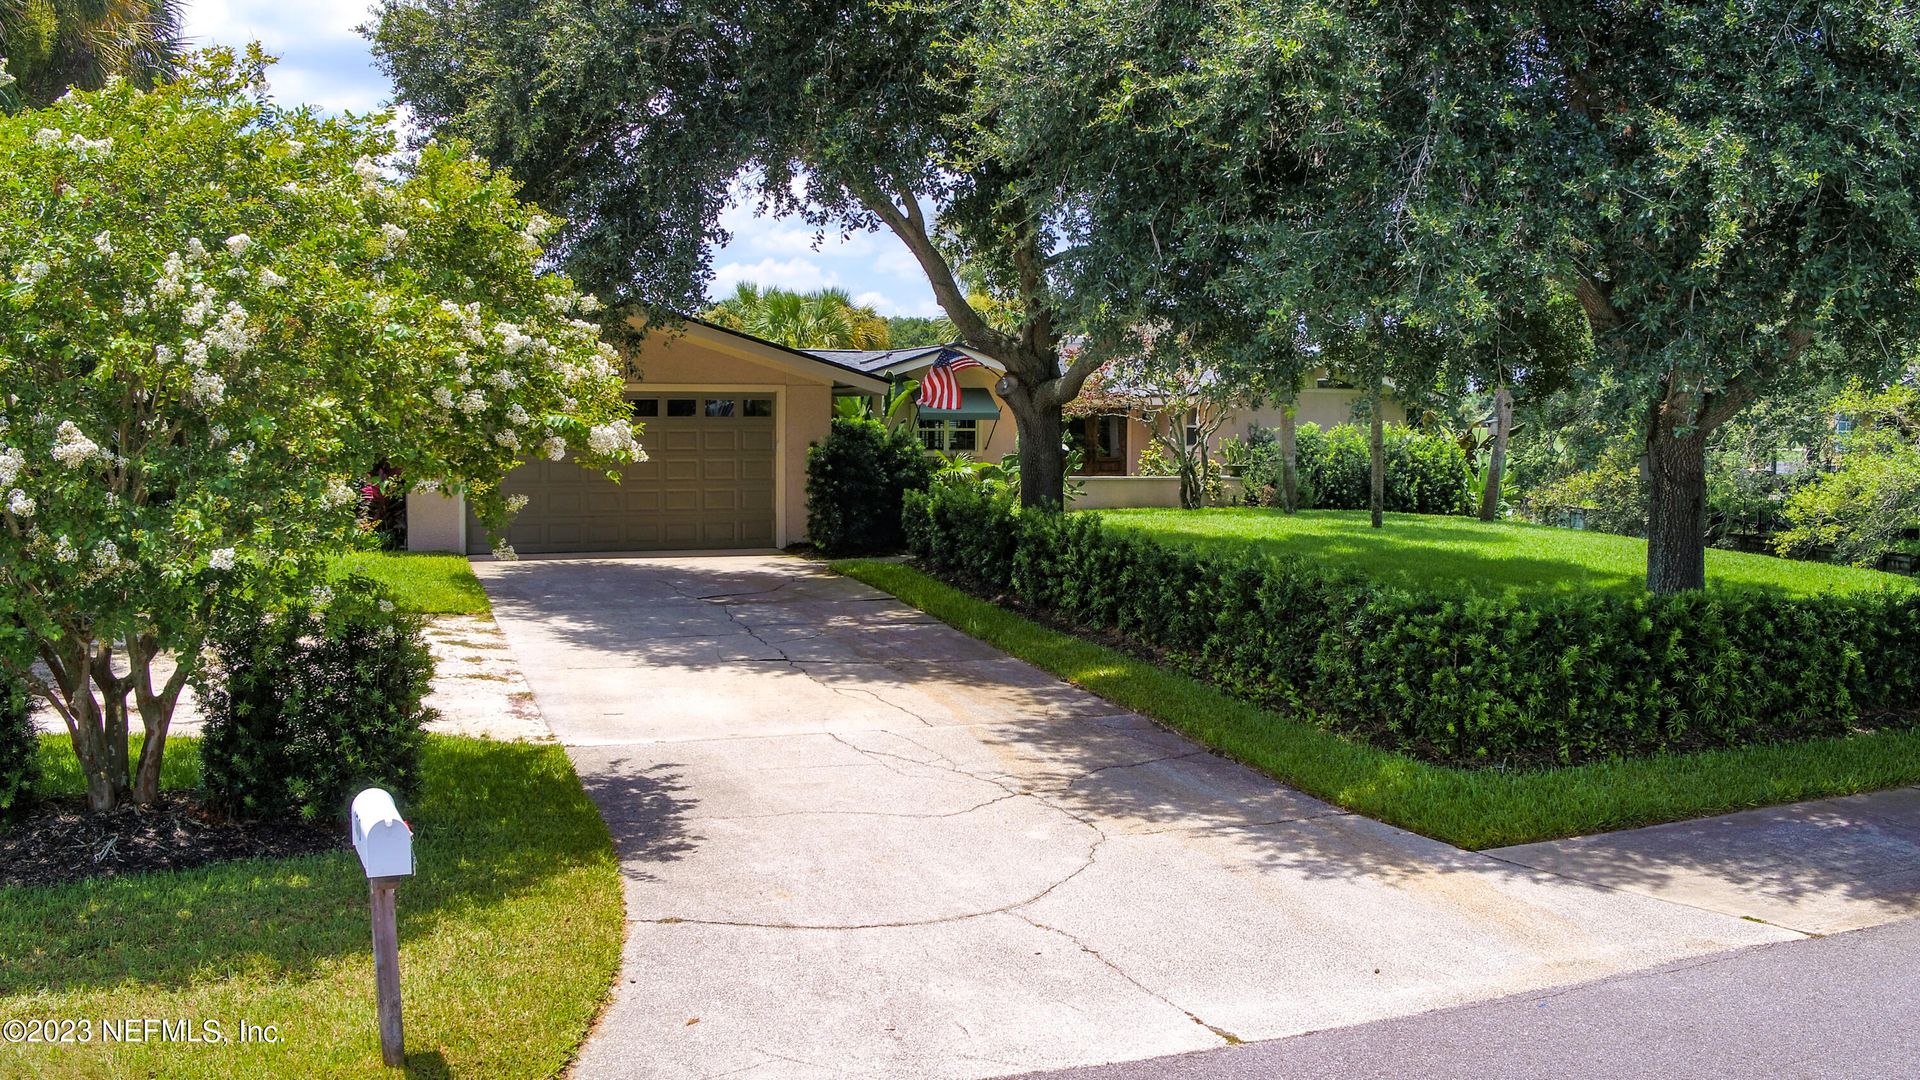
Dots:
pixel 385 842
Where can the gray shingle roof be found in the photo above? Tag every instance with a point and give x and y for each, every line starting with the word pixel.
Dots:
pixel 871 360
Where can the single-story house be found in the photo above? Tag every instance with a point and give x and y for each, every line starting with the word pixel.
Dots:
pixel 725 419
pixel 1110 442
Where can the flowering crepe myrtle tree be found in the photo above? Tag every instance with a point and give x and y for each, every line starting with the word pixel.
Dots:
pixel 216 315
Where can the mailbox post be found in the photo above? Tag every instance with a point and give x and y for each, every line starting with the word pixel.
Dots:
pixel 385 844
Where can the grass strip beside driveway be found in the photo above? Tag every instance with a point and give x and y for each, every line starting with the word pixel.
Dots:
pixel 422 582
pixel 1473 809
pixel 510 934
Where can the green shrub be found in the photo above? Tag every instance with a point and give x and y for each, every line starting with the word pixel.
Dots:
pixel 1425 474
pixel 305 707
pixel 1457 679
pixel 19 747
pixel 855 481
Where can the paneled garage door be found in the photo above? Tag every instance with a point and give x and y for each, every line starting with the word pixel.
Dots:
pixel 707 483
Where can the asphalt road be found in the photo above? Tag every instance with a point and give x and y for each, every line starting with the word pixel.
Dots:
pixel 1832 1008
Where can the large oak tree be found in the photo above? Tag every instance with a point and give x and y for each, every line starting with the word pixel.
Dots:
pixel 641 120
pixel 1728 188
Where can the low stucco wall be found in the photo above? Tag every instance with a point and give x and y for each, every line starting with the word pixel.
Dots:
pixel 1120 492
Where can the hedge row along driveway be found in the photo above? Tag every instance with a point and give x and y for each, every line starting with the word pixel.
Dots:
pixel 1507 680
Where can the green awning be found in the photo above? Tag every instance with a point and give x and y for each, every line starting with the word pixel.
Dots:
pixel 975 404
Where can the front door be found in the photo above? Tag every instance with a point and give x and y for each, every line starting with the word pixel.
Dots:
pixel 1103 445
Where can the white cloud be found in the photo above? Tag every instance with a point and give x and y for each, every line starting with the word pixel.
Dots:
pixel 887 305
pixel 800 275
pixel 323 61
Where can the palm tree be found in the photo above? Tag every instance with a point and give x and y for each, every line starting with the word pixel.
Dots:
pixel 52 46
pixel 823 319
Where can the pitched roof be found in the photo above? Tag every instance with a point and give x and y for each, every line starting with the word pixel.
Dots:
pixel 882 361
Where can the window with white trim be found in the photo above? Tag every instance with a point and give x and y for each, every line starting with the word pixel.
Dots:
pixel 950 436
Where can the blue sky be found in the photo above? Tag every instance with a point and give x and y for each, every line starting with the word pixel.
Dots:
pixel 325 63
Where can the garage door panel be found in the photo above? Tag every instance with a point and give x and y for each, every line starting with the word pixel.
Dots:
pixel 708 482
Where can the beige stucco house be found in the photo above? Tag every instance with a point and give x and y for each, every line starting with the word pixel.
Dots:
pixel 1111 442
pixel 725 419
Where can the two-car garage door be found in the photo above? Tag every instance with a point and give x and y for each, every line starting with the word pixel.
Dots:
pixel 707 483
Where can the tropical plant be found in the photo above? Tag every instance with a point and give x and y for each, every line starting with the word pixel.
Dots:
pixel 50 48
pixel 822 319
pixel 220 316
pixel 1870 506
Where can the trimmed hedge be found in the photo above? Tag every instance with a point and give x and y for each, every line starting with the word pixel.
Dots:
pixel 854 482
pixel 1425 474
pixel 306 707
pixel 1461 680
pixel 19 747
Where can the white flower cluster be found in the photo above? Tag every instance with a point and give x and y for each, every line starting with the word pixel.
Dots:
pixel 504 552
pixel 221 559
pixel 366 170
pixel 232 333
pixel 512 338
pixel 516 415
pixel 516 503
pixel 269 279
pixel 555 447
pixel 339 495
pixel 504 379
pixel 443 397
pixel 19 504
pixel 90 148
pixel 469 319
pixel 589 304
pixel 6 77
pixel 473 401
pixel 106 555
pixel 13 461
pixel 172 281
pixel 559 303
pixel 615 440
pixel 238 244
pixel 64 550
pixel 392 238
pixel 30 273
pixel 71 447
pixel 509 439
pixel 207 387
pixel 47 137
pixel 103 242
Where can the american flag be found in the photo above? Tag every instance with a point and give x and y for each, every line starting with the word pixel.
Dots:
pixel 940 389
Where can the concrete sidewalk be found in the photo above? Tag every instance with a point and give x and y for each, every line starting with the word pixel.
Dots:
pixel 1835 1008
pixel 858 842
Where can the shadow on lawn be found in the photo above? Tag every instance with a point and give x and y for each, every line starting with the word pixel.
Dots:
pixel 493 821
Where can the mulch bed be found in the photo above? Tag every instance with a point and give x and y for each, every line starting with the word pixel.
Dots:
pixel 60 841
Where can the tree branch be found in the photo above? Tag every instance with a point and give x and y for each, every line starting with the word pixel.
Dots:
pixel 908 223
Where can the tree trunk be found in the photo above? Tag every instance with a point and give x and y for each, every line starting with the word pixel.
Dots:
pixel 1289 458
pixel 1043 473
pixel 1377 496
pixel 1497 459
pixel 1676 509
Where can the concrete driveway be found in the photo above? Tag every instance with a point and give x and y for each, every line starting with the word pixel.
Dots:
pixel 858 842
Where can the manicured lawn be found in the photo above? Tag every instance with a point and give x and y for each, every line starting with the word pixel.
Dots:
pixel 1471 808
pixel 510 934
pixel 1423 552
pixel 423 582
